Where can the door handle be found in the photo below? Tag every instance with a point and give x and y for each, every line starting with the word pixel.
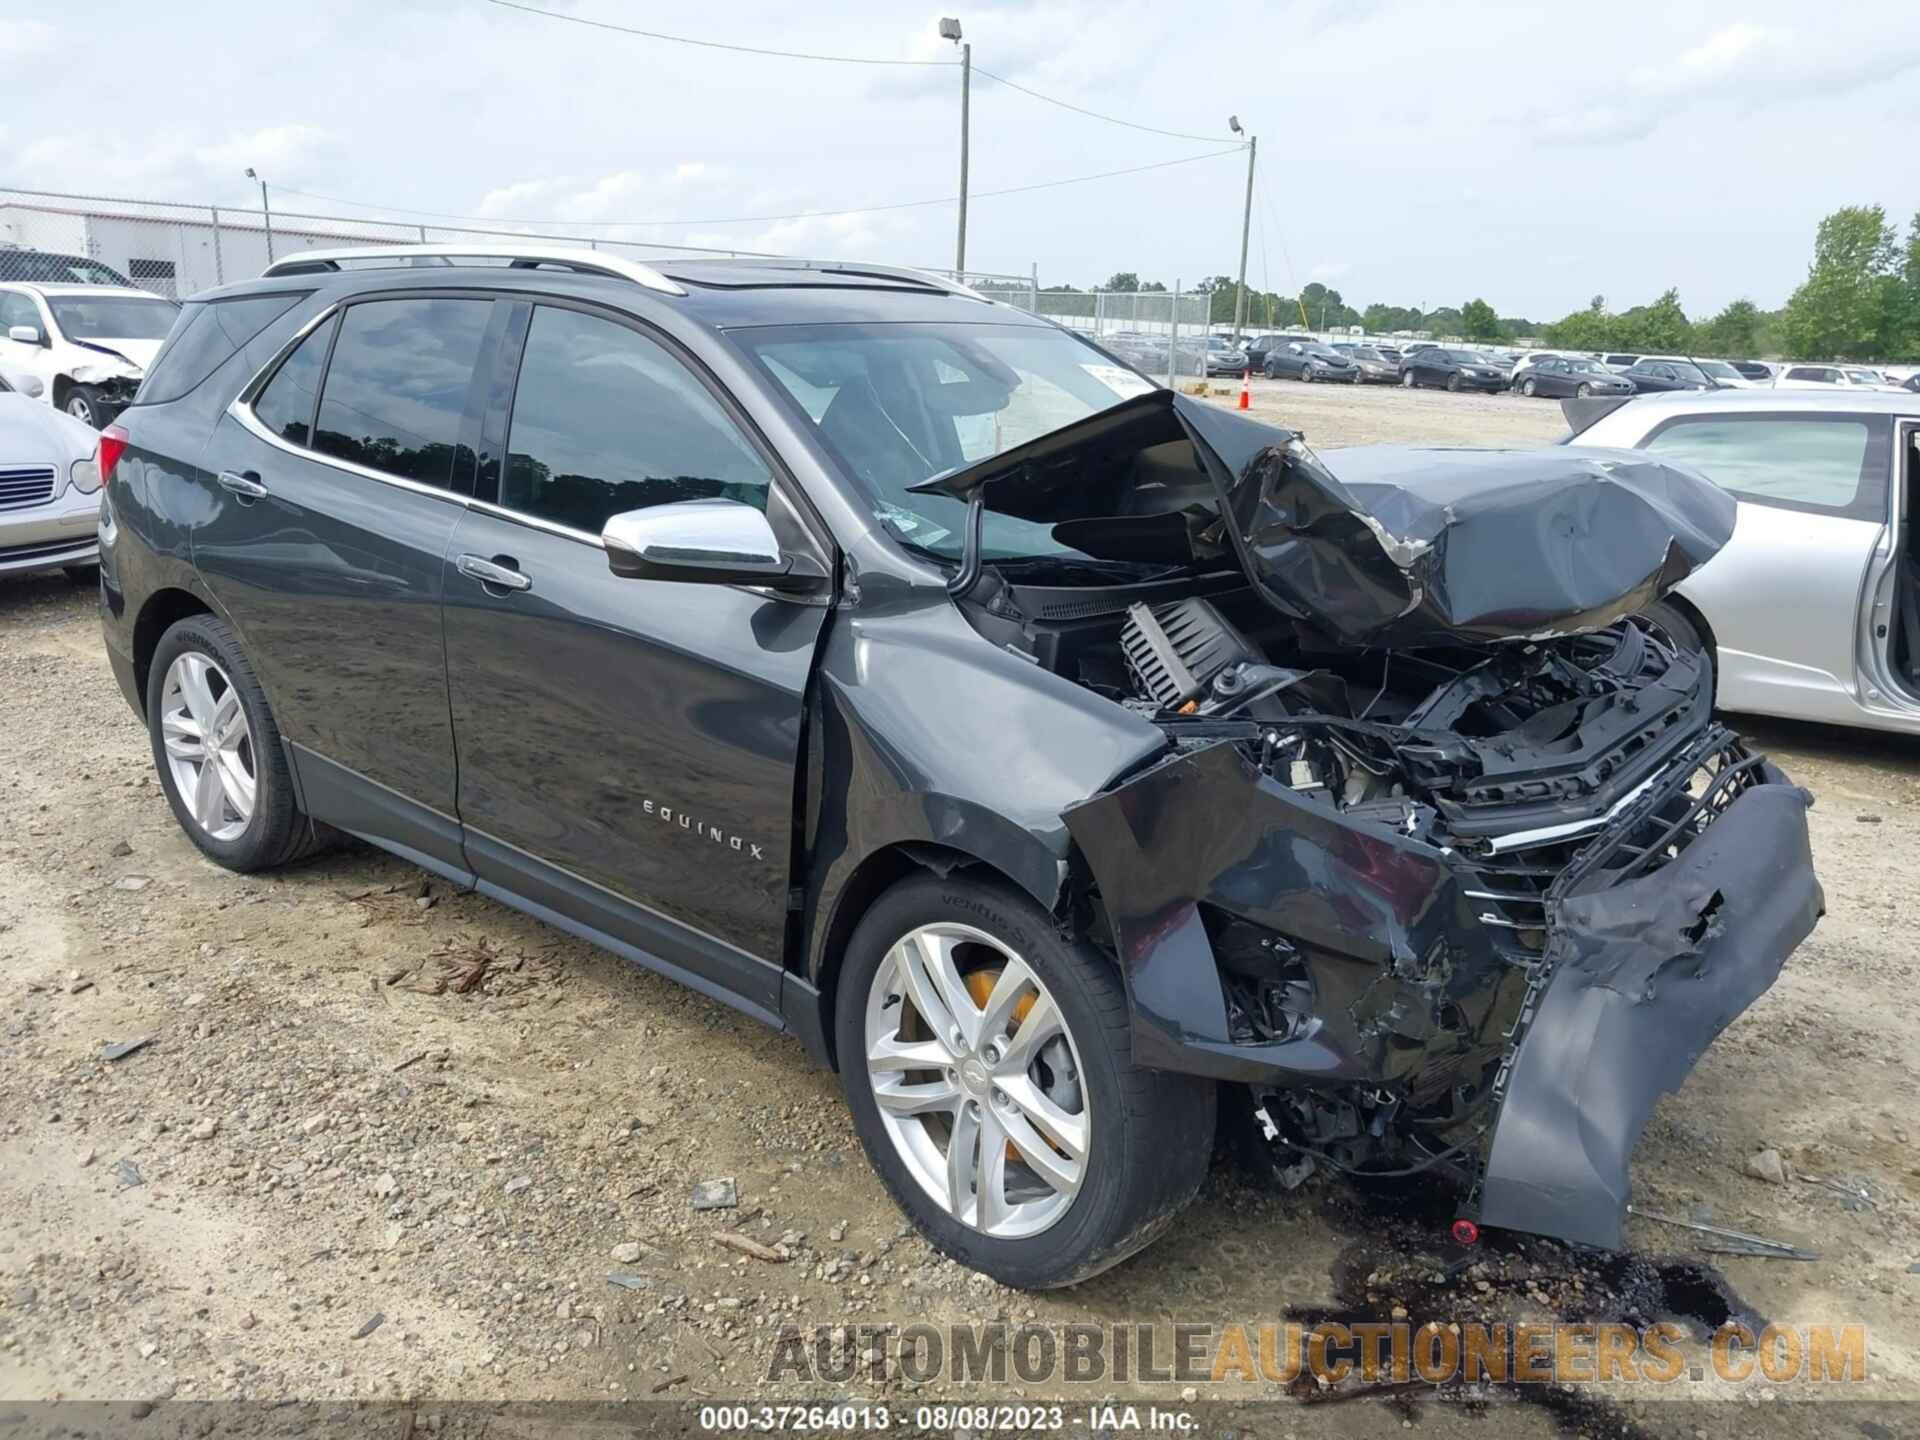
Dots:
pixel 489 572
pixel 248 485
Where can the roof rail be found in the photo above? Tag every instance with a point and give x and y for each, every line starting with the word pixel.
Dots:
pixel 588 262
pixel 933 279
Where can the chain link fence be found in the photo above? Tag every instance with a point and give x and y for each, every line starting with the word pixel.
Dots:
pixel 178 250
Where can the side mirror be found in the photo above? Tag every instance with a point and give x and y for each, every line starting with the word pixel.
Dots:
pixel 25 334
pixel 711 542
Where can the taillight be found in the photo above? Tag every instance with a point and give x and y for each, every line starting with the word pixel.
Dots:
pixel 113 444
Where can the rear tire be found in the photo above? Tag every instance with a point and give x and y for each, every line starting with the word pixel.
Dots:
pixel 1148 1133
pixel 241 832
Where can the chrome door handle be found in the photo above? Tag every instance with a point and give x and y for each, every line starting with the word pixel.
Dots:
pixel 488 573
pixel 242 485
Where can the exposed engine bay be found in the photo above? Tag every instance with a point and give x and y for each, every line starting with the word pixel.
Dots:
pixel 1446 860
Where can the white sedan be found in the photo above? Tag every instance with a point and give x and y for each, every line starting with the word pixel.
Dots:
pixel 49 485
pixel 88 344
pixel 1812 610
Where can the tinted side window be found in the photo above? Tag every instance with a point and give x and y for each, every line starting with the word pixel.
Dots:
pixel 285 405
pixel 203 336
pixel 605 420
pixel 1832 465
pixel 397 388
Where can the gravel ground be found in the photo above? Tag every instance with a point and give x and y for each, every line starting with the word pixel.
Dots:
pixel 389 1140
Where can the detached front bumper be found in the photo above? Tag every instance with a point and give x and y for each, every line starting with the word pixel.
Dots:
pixel 1643 976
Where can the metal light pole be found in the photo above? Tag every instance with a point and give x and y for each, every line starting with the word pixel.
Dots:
pixel 950 30
pixel 266 214
pixel 1246 223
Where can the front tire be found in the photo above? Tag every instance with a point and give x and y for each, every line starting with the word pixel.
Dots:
pixel 987 1063
pixel 218 750
pixel 83 404
pixel 1453 384
pixel 1529 389
pixel 1406 379
pixel 1583 390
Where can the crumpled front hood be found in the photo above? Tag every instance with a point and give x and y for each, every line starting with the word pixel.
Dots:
pixel 1383 545
pixel 135 353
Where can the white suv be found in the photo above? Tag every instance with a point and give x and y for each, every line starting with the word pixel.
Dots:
pixel 88 345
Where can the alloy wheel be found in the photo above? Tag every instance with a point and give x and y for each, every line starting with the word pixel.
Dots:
pixel 209 745
pixel 977 1080
pixel 79 409
pixel 1529 389
pixel 1584 391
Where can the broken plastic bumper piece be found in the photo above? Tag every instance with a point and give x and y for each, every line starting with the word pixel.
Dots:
pixel 1641 975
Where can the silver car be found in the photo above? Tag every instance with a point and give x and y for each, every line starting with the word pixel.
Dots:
pixel 1813 609
pixel 49 486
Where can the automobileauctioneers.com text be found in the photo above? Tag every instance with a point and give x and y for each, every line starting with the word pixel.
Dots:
pixel 1331 1353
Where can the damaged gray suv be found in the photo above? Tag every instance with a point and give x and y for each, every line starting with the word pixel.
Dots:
pixel 1074 766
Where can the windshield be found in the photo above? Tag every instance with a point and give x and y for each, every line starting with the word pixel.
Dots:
pixel 1589 367
pixel 1719 369
pixel 1863 377
pixel 898 404
pixel 112 317
pixel 1464 357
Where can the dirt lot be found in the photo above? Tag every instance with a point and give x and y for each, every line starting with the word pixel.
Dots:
pixel 372 1102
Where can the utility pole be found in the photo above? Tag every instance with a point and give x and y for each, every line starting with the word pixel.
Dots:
pixel 266 215
pixel 950 30
pixel 1246 224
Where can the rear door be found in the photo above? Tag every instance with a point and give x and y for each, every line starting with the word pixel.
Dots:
pixel 333 491
pixel 1784 598
pixel 628 748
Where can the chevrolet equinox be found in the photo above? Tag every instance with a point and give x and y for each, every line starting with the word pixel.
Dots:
pixel 1074 766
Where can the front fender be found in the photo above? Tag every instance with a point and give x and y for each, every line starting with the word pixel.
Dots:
pixel 920 731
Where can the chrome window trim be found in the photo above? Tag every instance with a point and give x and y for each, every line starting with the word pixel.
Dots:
pixel 552 527
pixel 251 423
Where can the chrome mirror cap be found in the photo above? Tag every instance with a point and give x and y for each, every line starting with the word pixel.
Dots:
pixel 721 542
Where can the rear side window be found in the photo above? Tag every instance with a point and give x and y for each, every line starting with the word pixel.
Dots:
pixel 397 388
pixel 606 420
pixel 285 406
pixel 1826 465
pixel 204 336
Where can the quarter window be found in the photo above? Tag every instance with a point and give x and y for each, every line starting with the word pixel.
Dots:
pixel 1832 466
pixel 606 420
pixel 285 406
pixel 397 388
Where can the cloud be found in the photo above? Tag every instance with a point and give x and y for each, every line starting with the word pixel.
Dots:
pixel 1749 66
pixel 20 39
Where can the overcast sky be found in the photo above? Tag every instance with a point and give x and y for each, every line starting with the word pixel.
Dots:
pixel 1410 152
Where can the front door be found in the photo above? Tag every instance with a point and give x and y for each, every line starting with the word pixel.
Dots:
pixel 628 748
pixel 331 496
pixel 1784 596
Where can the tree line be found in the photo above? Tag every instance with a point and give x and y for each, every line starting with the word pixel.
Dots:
pixel 1860 301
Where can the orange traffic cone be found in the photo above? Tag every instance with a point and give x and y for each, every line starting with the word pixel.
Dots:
pixel 1246 395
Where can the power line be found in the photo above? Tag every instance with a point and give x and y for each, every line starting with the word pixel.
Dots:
pixel 768 219
pixel 844 60
pixel 712 44
pixel 1092 114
